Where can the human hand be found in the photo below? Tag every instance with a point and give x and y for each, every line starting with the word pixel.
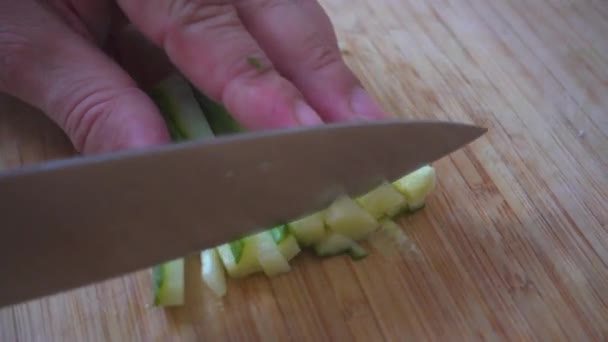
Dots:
pixel 80 62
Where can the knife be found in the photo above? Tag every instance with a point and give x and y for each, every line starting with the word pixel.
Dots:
pixel 71 222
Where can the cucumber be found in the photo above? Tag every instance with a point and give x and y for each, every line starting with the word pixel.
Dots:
pixel 212 272
pixel 219 119
pixel 333 244
pixel 168 283
pixel 245 262
pixel 344 216
pixel 185 120
pixel 357 252
pixel 308 230
pixel 270 258
pixel 416 186
pixel 385 200
pixel 289 247
pixel 279 233
pixel 181 110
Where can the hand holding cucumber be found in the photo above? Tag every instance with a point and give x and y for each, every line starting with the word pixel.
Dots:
pixel 87 63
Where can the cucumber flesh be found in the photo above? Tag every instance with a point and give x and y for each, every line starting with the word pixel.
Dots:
pixel 333 244
pixel 289 247
pixel 247 263
pixel 308 230
pixel 279 233
pixel 212 272
pixel 416 186
pixel 269 256
pixel 382 201
pixel 357 252
pixel 346 217
pixel 168 282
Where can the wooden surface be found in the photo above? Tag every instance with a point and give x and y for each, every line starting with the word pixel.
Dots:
pixel 512 246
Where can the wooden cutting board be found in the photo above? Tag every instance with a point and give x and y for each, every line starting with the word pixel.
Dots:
pixel 513 245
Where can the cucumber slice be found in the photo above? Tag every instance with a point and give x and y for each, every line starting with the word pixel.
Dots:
pixel 168 282
pixel 385 200
pixel 289 247
pixel 212 272
pixel 333 244
pixel 308 230
pixel 416 186
pixel 246 263
pixel 357 252
pixel 346 217
pixel 269 256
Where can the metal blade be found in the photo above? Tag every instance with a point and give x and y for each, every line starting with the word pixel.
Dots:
pixel 69 223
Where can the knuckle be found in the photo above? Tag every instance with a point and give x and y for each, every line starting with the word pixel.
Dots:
pixel 210 14
pixel 319 54
pixel 14 52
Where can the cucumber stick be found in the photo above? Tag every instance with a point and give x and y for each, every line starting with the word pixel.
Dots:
pixel 271 260
pixel 185 120
pixel 308 230
pixel 168 282
pixel 344 216
pixel 212 272
pixel 244 263
pixel 385 200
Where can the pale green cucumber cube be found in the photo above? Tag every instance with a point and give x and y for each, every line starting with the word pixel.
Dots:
pixel 344 216
pixel 309 229
pixel 416 186
pixel 168 283
pixel 289 247
pixel 333 244
pixel 212 272
pixel 269 256
pixel 248 261
pixel 385 200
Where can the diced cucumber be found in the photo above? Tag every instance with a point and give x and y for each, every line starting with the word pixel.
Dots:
pixel 384 200
pixel 247 262
pixel 357 252
pixel 279 233
pixel 333 244
pixel 168 283
pixel 289 247
pixel 344 216
pixel 416 186
pixel 269 256
pixel 212 272
pixel 308 230
pixel 390 239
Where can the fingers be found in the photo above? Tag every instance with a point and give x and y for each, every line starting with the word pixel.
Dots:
pixel 48 65
pixel 206 40
pixel 298 37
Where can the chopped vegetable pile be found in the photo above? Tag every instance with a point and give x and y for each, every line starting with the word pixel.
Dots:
pixel 336 230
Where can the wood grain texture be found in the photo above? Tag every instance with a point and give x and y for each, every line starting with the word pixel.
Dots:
pixel 513 245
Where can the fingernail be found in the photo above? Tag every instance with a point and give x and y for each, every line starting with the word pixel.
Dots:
pixel 364 106
pixel 305 115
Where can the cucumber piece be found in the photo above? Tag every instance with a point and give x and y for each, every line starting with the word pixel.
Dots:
pixel 308 230
pixel 333 244
pixel 181 110
pixel 168 283
pixel 344 216
pixel 246 264
pixel 385 200
pixel 279 233
pixel 236 247
pixel 212 272
pixel 416 186
pixel 357 252
pixel 219 119
pixel 269 256
pixel 289 247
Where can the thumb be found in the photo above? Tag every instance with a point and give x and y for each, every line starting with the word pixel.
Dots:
pixel 46 64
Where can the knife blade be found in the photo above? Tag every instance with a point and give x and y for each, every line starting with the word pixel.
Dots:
pixel 72 222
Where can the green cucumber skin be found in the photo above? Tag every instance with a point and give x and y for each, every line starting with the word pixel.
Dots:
pixel 158 273
pixel 279 233
pixel 357 252
pixel 237 249
pixel 220 121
